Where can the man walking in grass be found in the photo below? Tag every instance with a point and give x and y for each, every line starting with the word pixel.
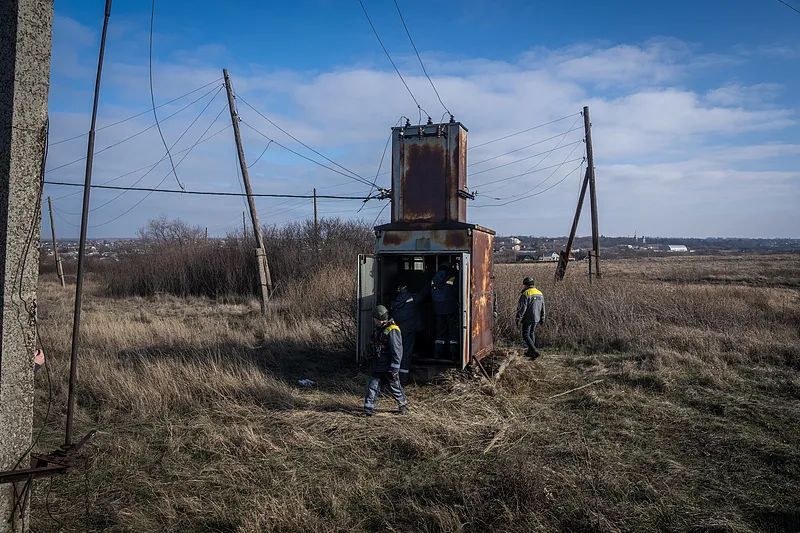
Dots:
pixel 387 344
pixel 530 312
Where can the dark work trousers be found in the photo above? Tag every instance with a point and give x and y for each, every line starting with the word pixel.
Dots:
pixel 447 335
pixel 408 351
pixel 376 380
pixel 529 336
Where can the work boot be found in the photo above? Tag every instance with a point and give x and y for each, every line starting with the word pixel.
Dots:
pixel 532 354
pixel 368 412
pixel 403 409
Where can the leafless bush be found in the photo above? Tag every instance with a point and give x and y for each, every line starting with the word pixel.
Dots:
pixel 172 232
pixel 311 271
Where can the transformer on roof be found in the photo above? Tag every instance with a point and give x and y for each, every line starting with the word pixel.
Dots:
pixel 429 229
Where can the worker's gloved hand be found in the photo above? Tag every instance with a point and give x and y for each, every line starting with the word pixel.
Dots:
pixel 395 374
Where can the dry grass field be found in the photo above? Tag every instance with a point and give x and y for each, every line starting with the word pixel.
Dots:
pixel 202 426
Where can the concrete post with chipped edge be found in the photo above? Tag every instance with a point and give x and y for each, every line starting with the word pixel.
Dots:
pixel 25 45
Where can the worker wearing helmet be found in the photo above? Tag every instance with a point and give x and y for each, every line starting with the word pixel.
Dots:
pixel 387 346
pixel 444 294
pixel 530 312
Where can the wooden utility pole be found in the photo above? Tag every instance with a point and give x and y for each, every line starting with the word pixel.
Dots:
pixel 587 127
pixel 25 44
pixel 563 258
pixel 588 181
pixel 265 281
pixel 59 267
pixel 316 223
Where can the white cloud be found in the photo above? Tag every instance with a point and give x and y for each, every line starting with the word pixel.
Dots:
pixel 662 148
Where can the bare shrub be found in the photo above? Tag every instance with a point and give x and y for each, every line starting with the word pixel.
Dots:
pixel 309 269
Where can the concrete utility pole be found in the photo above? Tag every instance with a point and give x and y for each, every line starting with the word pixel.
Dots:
pixel 25 43
pixel 265 281
pixel 587 127
pixel 59 266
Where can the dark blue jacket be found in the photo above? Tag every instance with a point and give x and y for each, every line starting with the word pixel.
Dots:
pixel 444 293
pixel 406 312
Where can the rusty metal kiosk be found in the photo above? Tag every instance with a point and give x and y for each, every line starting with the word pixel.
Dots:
pixel 428 229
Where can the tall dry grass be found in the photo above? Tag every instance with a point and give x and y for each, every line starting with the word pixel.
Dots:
pixel 203 427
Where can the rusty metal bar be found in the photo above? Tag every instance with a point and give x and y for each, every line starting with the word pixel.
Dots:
pixel 87 188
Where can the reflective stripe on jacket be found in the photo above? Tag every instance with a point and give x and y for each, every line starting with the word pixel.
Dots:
pixel 405 310
pixel 388 342
pixel 443 293
pixel 531 306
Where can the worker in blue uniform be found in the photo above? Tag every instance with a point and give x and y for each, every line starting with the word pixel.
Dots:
pixel 444 295
pixel 387 346
pixel 407 314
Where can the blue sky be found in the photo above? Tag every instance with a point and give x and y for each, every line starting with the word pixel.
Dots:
pixel 693 104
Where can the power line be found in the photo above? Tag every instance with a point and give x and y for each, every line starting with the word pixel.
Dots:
pixel 379 214
pixel 525 147
pixel 383 155
pixel 518 199
pixel 385 51
pixel 146 196
pixel 126 139
pixel 545 153
pixel 112 180
pixel 210 193
pixel 789 6
pixel 262 115
pixel 529 172
pixel 295 152
pixel 553 173
pixel 181 97
pixel 524 131
pixel 185 155
pixel 152 95
pixel 264 151
pixel 420 58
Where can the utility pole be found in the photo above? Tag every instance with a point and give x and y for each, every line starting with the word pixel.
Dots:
pixel 563 258
pixel 25 45
pixel 244 227
pixel 87 188
pixel 59 267
pixel 587 127
pixel 588 181
pixel 316 221
pixel 265 280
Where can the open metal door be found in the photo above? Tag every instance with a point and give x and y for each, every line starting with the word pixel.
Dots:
pixel 466 309
pixel 366 303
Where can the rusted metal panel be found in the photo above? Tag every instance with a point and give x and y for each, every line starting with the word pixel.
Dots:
pixel 482 292
pixel 443 240
pixel 428 171
pixel 423 196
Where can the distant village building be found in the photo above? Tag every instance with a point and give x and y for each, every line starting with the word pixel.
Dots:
pixel 677 248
